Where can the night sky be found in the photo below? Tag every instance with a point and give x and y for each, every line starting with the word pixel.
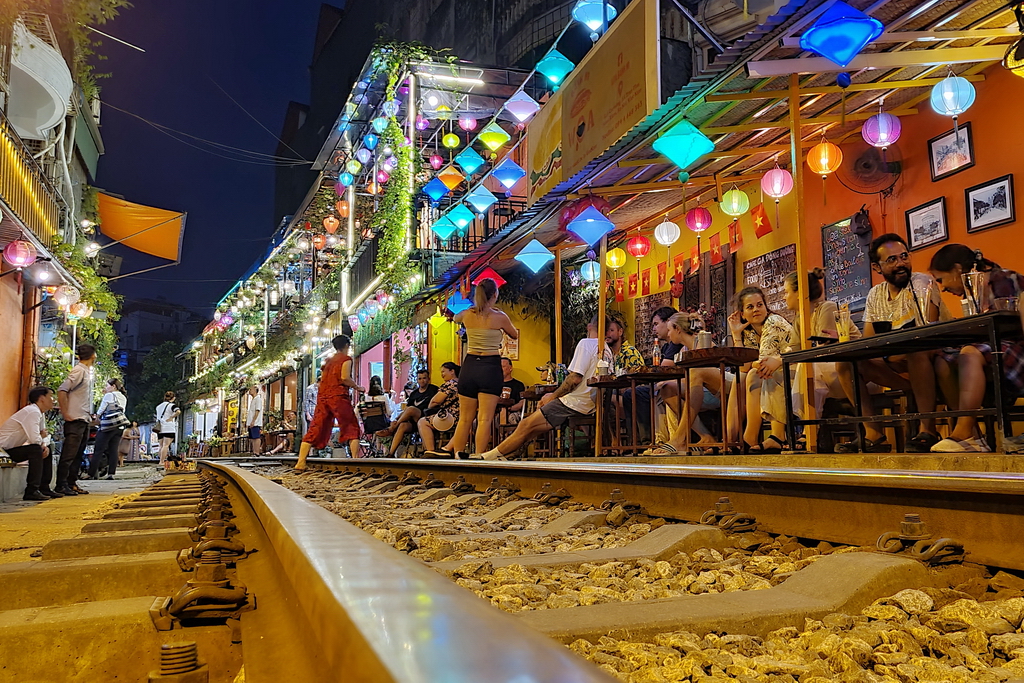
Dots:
pixel 259 52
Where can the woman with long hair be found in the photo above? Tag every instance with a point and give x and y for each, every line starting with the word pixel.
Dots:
pixel 481 379
pixel 964 387
pixel 131 445
pixel 167 425
pixel 442 411
pixel 112 424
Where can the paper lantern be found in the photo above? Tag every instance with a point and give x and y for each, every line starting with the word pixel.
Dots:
pixel 422 122
pixel 340 188
pixel 461 216
pixel 698 219
pixel 444 228
pixel 840 33
pixel 436 161
pixel 80 309
pixel 20 253
pixel 390 162
pixel 451 141
pixel 342 208
pixel 881 130
pixel 480 199
pixel 590 225
pixel 1013 60
pixel 373 187
pixel 493 136
pixel 535 255
pixel 380 124
pixel 346 178
pixel 489 273
pixel 639 246
pixel 591 271
pixel 390 108
pixel 65 295
pixel 435 189
pixel 508 173
pixel 521 106
pixel 615 258
pixel 362 315
pixel 458 303
pixel 683 144
pixel 735 202
pixel 467 123
pixel 592 13
pixel 319 241
pixel 372 308
pixel 667 233
pixel 777 183
pixel 331 223
pixel 353 322
pixel 353 167
pixel 451 177
pixel 364 155
pixel 952 96
pixel 824 158
pixel 469 160
pixel 383 176
pixel 370 140
pixel 555 66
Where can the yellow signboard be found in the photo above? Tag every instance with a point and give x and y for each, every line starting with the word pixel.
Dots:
pixel 544 149
pixel 613 88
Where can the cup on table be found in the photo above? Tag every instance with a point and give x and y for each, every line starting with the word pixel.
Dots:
pixel 922 298
pixel 506 392
pixel 843 323
pixel 1007 303
pixel 882 326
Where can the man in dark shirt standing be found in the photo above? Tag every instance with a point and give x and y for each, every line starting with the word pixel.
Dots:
pixel 415 404
pixel 659 320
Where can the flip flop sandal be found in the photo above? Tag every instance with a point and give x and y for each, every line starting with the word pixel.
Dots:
pixel 764 449
pixel 665 449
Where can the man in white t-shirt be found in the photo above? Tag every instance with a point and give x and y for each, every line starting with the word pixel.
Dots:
pixel 254 420
pixel 23 437
pixel 573 398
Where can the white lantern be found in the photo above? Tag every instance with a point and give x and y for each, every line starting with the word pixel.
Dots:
pixel 667 233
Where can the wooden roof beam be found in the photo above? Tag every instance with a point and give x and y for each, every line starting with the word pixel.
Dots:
pixel 877 60
pixel 924 36
pixel 835 89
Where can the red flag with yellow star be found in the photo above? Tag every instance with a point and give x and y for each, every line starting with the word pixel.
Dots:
pixel 620 289
pixel 645 282
pixel 735 236
pixel 679 265
pixel 762 226
pixel 633 285
pixel 695 259
pixel 716 248
pixel 662 274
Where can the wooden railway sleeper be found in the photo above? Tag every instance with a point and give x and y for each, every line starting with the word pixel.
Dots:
pixel 209 594
pixel 916 541
pixel 549 497
pixel 725 517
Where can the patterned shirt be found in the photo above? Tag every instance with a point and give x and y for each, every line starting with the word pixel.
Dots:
pixel 907 306
pixel 628 359
pixel 450 406
pixel 309 402
pixel 774 340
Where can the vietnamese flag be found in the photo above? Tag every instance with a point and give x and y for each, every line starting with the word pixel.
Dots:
pixel 619 289
pixel 695 259
pixel 679 263
pixel 735 236
pixel 762 226
pixel 633 285
pixel 716 248
pixel 645 282
pixel 662 274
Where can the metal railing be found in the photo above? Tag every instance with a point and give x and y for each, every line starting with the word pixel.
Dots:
pixel 26 191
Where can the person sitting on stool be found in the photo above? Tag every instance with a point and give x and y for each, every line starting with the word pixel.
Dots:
pixel 23 436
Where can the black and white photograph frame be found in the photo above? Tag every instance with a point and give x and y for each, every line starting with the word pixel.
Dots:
pixel 990 204
pixel 951 152
pixel 927 224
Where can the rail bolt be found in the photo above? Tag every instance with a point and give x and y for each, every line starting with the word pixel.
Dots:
pixel 179 663
pixel 912 528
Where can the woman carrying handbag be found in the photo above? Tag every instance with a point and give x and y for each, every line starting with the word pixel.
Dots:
pixel 112 426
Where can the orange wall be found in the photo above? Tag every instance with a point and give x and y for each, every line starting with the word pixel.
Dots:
pixel 10 347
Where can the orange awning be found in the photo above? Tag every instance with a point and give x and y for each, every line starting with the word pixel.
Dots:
pixel 144 228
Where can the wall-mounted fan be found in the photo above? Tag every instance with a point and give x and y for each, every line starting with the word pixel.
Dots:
pixel 870 170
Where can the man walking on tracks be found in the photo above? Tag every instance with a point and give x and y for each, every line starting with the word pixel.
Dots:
pixel 334 402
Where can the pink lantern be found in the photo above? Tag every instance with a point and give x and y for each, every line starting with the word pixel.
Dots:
pixel 777 183
pixel 436 161
pixel 382 176
pixel 422 122
pixel 467 123
pixel 698 219
pixel 353 322
pixel 20 253
pixel 881 130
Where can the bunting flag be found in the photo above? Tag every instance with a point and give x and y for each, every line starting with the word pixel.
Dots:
pixel 735 236
pixel 695 259
pixel 633 288
pixel 679 265
pixel 716 248
pixel 762 226
pixel 663 275
pixel 645 282
pixel 620 289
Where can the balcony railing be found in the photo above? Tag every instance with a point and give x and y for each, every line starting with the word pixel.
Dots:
pixel 25 190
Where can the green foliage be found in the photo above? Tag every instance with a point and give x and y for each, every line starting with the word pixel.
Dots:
pixel 161 372
pixel 397 316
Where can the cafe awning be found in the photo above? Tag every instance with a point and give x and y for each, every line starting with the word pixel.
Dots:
pixel 153 231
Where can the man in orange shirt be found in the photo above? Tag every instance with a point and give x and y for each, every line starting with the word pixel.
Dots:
pixel 334 402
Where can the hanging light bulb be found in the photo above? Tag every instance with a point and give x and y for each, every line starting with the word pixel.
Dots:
pixel 666 233
pixel 302 243
pixel 735 202
pixel 451 141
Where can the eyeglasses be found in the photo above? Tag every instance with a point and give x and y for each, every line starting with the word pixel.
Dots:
pixel 897 257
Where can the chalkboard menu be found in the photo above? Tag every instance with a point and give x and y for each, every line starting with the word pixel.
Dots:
pixel 847 270
pixel 769 272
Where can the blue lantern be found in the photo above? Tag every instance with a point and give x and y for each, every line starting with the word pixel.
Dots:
pixel 346 179
pixel 555 66
pixel 841 33
pixel 508 173
pixel 461 216
pixel 390 108
pixel 370 140
pixel 364 155
pixel 363 315
pixel 591 271
pixel 535 255
pixel 435 189
pixel 458 303
pixel 380 124
pixel 590 225
pixel 480 199
pixel 469 160
pixel 444 228
pixel 592 13
pixel 952 96
pixel 683 144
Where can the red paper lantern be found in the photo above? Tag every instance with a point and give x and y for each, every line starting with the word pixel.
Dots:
pixel 20 253
pixel 331 224
pixel 639 246
pixel 698 219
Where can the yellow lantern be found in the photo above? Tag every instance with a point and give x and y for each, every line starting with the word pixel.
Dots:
pixel 615 258
pixel 451 141
pixel 824 158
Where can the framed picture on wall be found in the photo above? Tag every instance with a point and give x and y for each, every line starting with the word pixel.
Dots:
pixel 990 204
pixel 951 152
pixel 926 224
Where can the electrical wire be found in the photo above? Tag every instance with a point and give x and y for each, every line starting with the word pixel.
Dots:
pixel 254 118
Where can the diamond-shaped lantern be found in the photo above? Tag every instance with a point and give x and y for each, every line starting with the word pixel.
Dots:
pixel 841 33
pixel 458 303
pixel 683 144
pixel 508 173
pixel 470 160
pixel 590 225
pixel 435 189
pixel 521 106
pixel 555 66
pixel 493 136
pixel 489 273
pixel 444 228
pixel 535 255
pixel 451 177
pixel 461 216
pixel 480 199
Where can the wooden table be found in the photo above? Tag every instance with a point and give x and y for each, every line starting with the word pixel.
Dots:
pixel 986 328
pixel 721 357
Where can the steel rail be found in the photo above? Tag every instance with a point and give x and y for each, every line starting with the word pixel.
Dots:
pixel 376 614
pixel 984 510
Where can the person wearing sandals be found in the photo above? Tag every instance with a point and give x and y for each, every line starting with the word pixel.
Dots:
pixel 754 326
pixel 416 403
pixel 971 362
pixel 442 411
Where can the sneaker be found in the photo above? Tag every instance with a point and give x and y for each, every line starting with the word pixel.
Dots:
pixel 79 490
pixel 34 495
pixel 973 445
pixel 110 477
pixel 922 443
pixel 1014 444
pixel 66 491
